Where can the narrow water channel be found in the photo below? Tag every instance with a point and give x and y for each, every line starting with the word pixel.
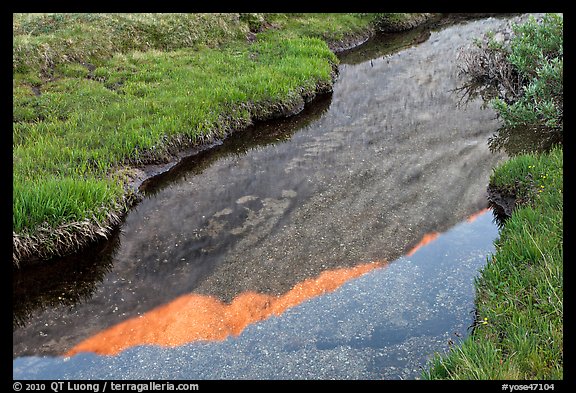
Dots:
pixel 360 177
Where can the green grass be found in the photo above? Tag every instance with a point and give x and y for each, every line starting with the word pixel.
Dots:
pixel 328 27
pixel 42 40
pixel 520 291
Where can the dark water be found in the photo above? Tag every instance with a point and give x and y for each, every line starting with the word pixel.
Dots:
pixel 362 175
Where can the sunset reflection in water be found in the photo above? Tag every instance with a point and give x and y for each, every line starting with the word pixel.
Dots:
pixel 196 317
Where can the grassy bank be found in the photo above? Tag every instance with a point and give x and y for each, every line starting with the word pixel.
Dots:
pixel 95 94
pixel 519 331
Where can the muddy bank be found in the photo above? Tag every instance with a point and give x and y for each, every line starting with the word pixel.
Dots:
pixel 47 242
pixel 395 23
pixel 502 203
pixel 387 25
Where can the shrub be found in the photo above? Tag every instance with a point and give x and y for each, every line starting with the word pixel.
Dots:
pixel 524 72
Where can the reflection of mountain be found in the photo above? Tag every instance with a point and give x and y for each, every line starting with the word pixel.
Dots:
pixel 382 325
pixel 62 281
pixel 196 317
pixel 67 283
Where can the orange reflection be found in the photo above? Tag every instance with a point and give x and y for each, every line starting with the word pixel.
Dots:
pixel 429 237
pixel 425 240
pixel 477 214
pixel 195 317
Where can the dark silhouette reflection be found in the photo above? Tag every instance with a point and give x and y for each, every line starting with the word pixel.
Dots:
pixel 62 281
pixel 511 140
pixel 521 140
pixel 470 91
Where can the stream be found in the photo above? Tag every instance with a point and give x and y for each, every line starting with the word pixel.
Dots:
pixel 335 204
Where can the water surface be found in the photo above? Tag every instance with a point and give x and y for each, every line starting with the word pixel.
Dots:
pixel 361 176
pixel 385 324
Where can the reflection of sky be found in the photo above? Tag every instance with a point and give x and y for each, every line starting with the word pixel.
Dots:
pixel 384 324
pixel 391 159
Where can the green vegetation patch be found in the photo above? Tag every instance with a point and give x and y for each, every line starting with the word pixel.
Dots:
pixel 519 302
pixel 328 27
pixel 43 40
pixel 537 53
pixel 519 329
pixel 523 74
